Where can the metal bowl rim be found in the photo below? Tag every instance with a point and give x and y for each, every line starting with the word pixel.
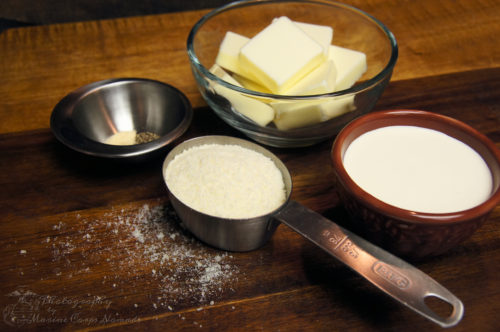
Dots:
pixel 65 131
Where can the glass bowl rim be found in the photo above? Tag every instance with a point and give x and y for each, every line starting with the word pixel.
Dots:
pixel 244 3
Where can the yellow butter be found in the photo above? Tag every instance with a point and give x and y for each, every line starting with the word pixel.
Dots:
pixel 280 55
pixel 224 75
pixel 253 109
pixel 229 50
pixel 296 114
pixel 322 34
pixel 336 107
pixel 320 80
pixel 288 58
pixel 250 85
pixel 350 66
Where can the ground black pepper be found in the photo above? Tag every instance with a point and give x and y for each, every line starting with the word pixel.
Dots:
pixel 145 137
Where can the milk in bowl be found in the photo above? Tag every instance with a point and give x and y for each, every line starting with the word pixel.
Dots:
pixel 418 169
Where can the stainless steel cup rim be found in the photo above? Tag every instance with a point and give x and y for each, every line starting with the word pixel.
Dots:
pixel 226 233
pixel 228 140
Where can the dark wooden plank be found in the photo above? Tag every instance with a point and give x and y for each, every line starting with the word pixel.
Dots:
pixel 110 265
pixel 87 244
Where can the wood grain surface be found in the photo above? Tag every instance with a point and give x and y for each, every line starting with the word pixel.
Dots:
pixel 39 65
pixel 91 245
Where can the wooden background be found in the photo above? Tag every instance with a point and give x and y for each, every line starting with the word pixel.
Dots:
pixel 15 13
pixel 93 245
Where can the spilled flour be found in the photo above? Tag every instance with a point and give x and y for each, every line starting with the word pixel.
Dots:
pixel 143 248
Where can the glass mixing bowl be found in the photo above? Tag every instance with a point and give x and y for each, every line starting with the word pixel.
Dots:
pixel 353 29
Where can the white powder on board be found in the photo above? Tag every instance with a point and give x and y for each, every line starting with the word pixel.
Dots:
pixel 227 181
pixel 140 247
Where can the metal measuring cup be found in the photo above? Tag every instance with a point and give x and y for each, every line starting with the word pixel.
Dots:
pixel 392 275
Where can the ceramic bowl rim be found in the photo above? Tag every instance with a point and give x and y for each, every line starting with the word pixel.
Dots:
pixel 427 119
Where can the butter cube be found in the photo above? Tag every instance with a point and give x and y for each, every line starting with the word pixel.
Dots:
pixel 253 109
pixel 250 85
pixel 280 55
pixel 322 34
pixel 222 74
pixel 350 65
pixel 336 107
pixel 296 114
pixel 229 50
pixel 320 80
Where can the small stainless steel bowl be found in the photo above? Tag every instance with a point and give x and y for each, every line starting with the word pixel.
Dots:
pixel 86 117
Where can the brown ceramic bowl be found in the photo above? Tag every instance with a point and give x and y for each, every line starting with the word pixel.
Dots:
pixel 406 233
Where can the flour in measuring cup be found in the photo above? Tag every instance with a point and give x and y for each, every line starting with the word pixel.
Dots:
pixel 226 181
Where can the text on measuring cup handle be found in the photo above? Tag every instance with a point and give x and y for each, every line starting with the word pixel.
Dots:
pixel 383 270
pixel 342 243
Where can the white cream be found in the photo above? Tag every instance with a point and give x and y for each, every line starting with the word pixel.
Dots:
pixel 418 169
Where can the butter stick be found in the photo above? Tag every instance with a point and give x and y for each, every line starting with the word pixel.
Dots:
pixel 320 80
pixel 229 52
pixel 295 114
pixel 253 109
pixel 322 34
pixel 350 66
pixel 280 55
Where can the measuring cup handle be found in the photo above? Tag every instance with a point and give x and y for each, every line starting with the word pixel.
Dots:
pixel 389 273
